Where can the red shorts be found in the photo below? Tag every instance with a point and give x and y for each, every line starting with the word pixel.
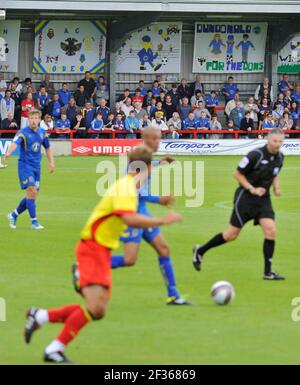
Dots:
pixel 94 264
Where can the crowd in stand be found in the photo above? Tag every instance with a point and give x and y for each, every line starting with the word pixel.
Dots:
pixel 182 107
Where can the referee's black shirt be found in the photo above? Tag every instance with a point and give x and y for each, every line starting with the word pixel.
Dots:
pixel 261 168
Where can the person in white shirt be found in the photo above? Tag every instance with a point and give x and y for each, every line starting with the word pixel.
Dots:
pixel 231 105
pixel 7 105
pixel 3 84
pixel 48 123
pixel 175 121
pixel 127 107
pixel 201 108
pixel 253 108
pixel 159 123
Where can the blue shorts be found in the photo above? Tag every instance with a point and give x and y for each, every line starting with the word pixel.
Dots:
pixel 133 235
pixel 29 176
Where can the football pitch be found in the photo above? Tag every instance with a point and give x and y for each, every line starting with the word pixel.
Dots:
pixel 139 328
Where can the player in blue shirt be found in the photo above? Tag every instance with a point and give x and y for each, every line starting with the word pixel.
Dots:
pixel 133 237
pixel 30 139
pixel 246 44
pixel 284 85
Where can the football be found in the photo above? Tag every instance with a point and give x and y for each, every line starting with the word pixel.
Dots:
pixel 223 293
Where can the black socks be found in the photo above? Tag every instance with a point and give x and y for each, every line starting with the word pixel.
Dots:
pixel 269 248
pixel 218 240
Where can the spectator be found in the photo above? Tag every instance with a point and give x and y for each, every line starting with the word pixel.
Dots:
pixel 263 109
pixel 9 123
pixel 97 123
pixel 152 108
pixel 281 100
pixel 286 123
pixel 232 104
pixel 64 94
pixel 80 126
pixel 118 110
pixel 175 121
pixel 101 91
pixel 278 113
pixel 27 84
pixel 265 95
pixel 137 97
pixel 215 125
pixel 265 86
pixel 247 124
pixel 81 96
pixel 197 85
pixel 184 108
pixel 184 90
pixel 212 102
pixel 142 89
pixel 15 95
pixel 163 87
pixel 162 97
pixel 237 115
pixel 198 97
pixel 100 83
pixel 148 98
pixel 42 99
pixel 190 123
pixel 89 85
pixel 110 124
pixel 160 110
pixel 295 114
pixel 253 108
pixel 89 113
pixel 144 122
pixel 174 95
pixel 105 111
pixel 132 125
pixel 173 134
pixel 288 99
pixel 229 90
pixel 62 126
pixel 7 105
pixel 139 111
pixel 126 95
pixel 285 84
pixel 71 110
pixel 47 123
pixel 26 106
pixel 203 124
pixel 230 127
pixel 29 90
pixel 297 82
pixel 155 89
pixel 201 108
pixel 169 107
pixel 49 86
pixel 55 107
pixel 119 125
pixel 18 86
pixel 158 122
pixel 269 123
pixel 3 85
pixel 127 107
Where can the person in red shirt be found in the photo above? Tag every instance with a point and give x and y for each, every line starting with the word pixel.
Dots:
pixel 26 106
pixel 138 97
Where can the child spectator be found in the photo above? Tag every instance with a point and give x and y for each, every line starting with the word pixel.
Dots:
pixel 148 98
pixel 80 126
pixel 215 125
pixel 97 124
pixel 155 89
pixel 144 122
pixel 110 124
pixel 162 97
pixel 173 134
pixel 231 128
pixel 119 124
pixel 152 108
pixel 159 110
pixel 132 125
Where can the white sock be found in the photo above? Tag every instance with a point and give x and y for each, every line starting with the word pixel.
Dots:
pixel 42 317
pixel 55 347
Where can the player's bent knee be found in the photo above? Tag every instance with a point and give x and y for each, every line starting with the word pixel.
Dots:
pixel 131 261
pixel 230 236
pixel 97 312
pixel 270 232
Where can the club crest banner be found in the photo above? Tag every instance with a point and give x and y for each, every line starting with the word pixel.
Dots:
pixel 289 57
pixel 9 45
pixel 155 48
pixel 69 46
pixel 230 47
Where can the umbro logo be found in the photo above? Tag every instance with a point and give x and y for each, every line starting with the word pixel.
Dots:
pixel 82 150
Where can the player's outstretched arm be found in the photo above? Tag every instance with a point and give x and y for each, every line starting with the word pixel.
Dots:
pixel 141 221
pixel 50 157
pixel 243 181
pixel 12 149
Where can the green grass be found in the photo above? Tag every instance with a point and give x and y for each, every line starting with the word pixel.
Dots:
pixel 139 328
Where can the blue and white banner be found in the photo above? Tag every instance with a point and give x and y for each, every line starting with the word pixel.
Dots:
pixel 70 47
pixel 9 45
pixel 4 146
pixel 289 57
pixel 222 147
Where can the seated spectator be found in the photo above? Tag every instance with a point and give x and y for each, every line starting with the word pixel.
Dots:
pixel 119 124
pixel 190 123
pixel 286 123
pixel 162 97
pixel 29 91
pixel 269 123
pixel 47 123
pixel 126 95
pixel 118 110
pixel 197 85
pixel 215 125
pixel 260 91
pixel 71 110
pixel 184 90
pixel 229 90
pixel 42 99
pixel 295 113
pixel 212 102
pixel 237 115
pixel 201 108
pixel 89 113
pixel 184 109
pixel 148 98
pixel 137 97
pixel 159 110
pixel 175 121
pixel 9 123
pixel 62 126
pixel 230 127
pixel 142 88
pixel 55 107
pixel 247 124
pixel 169 107
pixel 288 99
pixel 26 106
pixel 105 111
pixel 132 125
pixel 232 104
pixel 163 87
pixel 3 85
pixel 152 108
pixel 64 94
pixel 296 95
pixel 97 124
pixel 139 111
pixel 7 105
pixel 80 126
pixel 197 98
pixel 17 85
pixel 89 85
pixel 281 101
pixel 158 122
pixel 144 122
pixel 173 134
pixel 127 107
pixel 277 113
pixel 81 96
pixel 284 85
pixel 155 89
pixel 110 124
pixel 263 109
pixel 174 95
pixel 253 108
pixel 27 86
pixel 203 124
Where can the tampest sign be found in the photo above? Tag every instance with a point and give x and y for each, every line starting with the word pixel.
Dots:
pixel 84 147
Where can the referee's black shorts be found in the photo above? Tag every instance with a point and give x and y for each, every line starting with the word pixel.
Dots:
pixel 248 207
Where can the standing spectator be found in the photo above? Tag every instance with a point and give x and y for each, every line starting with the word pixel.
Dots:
pixel 142 89
pixel 232 104
pixel 3 85
pixel 184 90
pixel 197 85
pixel 190 123
pixel 212 102
pixel 247 123
pixel 169 107
pixel 26 106
pixel 7 105
pixel 118 110
pixel 42 99
pixel 159 123
pixel 286 123
pixel 102 89
pixel 64 94
pixel 126 95
pixel 229 90
pixel 132 125
pixel 201 108
pixel 198 97
pixel 184 109
pixel 175 121
pixel 215 125
pixel 47 123
pixel 71 110
pixel 155 89
pixel 89 113
pixel 89 85
pixel 137 97
pixel 97 123
pixel 9 123
pixel 253 109
pixel 266 85
pixel 237 115
pixel 174 95
pixel 55 107
pixel 285 84
pixel 105 111
pixel 127 107
pixel 81 96
pixel 144 122
pixel 139 111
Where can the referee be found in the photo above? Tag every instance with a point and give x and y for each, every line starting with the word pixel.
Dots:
pixel 256 174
